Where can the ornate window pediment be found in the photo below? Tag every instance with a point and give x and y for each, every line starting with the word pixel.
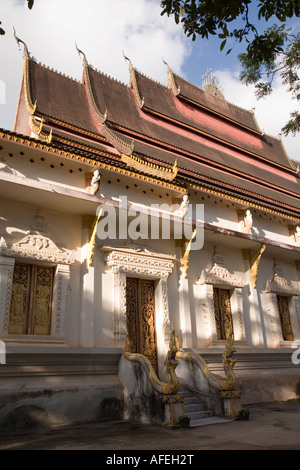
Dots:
pixel 219 275
pixel 279 285
pixel 139 261
pixel 37 245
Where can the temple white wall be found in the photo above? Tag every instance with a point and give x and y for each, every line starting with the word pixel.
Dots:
pixel 91 301
pixel 66 230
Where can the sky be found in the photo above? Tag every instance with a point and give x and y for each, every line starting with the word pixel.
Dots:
pixel 104 30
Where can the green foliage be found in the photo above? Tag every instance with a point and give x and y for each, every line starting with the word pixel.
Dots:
pixel 244 413
pixel 274 51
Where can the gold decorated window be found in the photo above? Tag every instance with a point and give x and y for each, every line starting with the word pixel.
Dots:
pixel 223 315
pixel 31 301
pixel 285 320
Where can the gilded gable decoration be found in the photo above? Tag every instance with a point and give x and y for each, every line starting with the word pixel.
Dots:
pixel 31 107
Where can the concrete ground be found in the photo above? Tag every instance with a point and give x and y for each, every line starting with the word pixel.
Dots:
pixel 272 426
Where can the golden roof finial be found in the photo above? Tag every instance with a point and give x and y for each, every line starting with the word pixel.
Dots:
pixel 81 53
pixel 19 41
pixel 126 58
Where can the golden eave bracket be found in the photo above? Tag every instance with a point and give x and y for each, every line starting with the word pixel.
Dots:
pixel 254 261
pixel 150 168
pixel 37 129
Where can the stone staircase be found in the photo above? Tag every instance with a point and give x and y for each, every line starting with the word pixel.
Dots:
pixel 199 415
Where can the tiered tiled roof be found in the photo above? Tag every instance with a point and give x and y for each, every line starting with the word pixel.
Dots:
pixel 211 143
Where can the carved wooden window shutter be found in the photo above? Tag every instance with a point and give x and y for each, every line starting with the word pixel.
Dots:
pixel 31 301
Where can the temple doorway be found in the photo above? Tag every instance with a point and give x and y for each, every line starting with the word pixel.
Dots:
pixel 140 309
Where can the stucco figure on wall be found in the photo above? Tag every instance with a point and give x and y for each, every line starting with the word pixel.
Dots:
pixel 297 234
pixel 184 207
pixel 95 183
pixel 248 222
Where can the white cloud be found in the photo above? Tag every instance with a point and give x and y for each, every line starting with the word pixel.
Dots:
pixel 271 113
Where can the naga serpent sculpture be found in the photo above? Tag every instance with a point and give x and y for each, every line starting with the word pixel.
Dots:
pixel 165 388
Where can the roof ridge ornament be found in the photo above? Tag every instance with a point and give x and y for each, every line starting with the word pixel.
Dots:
pixel 171 80
pixel 211 86
pixel 85 62
pixel 133 82
pixel 19 41
pixel 99 118
pixel 31 107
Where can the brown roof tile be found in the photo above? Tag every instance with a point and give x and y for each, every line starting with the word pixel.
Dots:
pixel 59 97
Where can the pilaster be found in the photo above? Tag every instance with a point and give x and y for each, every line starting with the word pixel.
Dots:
pixel 60 292
pixel 6 277
pixel 87 292
pixel 256 332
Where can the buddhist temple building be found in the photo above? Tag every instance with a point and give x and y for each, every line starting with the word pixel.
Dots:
pixel 149 241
